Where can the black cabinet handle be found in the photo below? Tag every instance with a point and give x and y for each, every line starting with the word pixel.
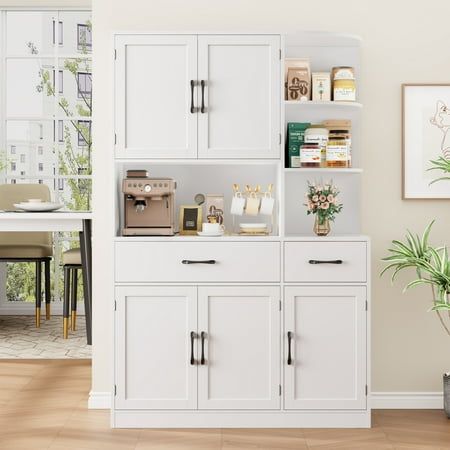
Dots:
pixel 290 334
pixel 193 336
pixel 202 359
pixel 193 261
pixel 202 84
pixel 192 97
pixel 331 261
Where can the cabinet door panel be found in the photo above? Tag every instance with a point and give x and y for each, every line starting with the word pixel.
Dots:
pixel 242 96
pixel 153 96
pixel 153 369
pixel 242 348
pixel 328 346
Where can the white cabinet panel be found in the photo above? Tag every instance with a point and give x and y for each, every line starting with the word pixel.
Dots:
pixel 328 347
pixel 163 262
pixel 321 262
pixel 153 357
pixel 241 347
pixel 153 96
pixel 241 118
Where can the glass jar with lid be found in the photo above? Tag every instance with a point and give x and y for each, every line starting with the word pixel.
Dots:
pixel 310 155
pixel 317 134
pixel 337 151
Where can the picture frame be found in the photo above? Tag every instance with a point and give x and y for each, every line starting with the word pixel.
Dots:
pixel 190 219
pixel 425 139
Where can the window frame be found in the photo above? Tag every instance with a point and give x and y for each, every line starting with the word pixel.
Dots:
pixel 84 93
pixel 81 45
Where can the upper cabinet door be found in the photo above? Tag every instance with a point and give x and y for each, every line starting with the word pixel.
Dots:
pixel 239 347
pixel 155 352
pixel 325 337
pixel 154 96
pixel 241 96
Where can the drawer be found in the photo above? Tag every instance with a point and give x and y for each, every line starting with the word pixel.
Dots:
pixel 163 261
pixel 299 258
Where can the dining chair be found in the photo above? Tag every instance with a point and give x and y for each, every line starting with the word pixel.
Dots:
pixel 20 247
pixel 72 263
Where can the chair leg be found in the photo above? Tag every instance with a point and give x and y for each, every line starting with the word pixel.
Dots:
pixel 48 296
pixel 74 294
pixel 38 293
pixel 66 302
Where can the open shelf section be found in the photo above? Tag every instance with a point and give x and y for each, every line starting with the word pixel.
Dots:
pixel 323 170
pixel 316 103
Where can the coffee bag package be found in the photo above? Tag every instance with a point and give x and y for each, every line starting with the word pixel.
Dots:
pixel 295 139
pixel 298 80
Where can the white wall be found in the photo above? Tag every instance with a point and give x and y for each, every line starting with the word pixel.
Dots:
pixel 403 41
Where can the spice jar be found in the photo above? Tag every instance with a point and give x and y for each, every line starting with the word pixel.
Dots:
pixel 310 155
pixel 344 86
pixel 318 135
pixel 337 151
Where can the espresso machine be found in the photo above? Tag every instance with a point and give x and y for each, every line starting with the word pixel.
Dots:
pixel 149 205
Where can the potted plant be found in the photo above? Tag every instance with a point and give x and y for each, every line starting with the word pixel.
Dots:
pixel 321 200
pixel 432 267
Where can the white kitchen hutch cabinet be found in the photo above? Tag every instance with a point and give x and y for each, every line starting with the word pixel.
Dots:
pixel 189 96
pixel 275 333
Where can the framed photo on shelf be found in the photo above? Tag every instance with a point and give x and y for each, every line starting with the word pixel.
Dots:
pixel 190 219
pixel 426 141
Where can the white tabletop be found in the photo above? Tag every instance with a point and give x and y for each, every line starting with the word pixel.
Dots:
pixel 43 221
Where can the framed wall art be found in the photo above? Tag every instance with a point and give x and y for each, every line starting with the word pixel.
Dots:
pixel 426 141
pixel 190 219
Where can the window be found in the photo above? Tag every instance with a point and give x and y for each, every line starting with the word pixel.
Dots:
pixel 13 181
pixel 84 133
pixel 41 131
pixel 60 130
pixel 61 184
pixel 22 173
pixel 60 81
pixel 84 83
pixel 60 32
pixel 84 40
pixel 13 166
pixel 13 149
pixel 40 150
pixel 41 167
pixel 22 158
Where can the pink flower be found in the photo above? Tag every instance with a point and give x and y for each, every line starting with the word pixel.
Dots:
pixel 315 198
pixel 330 198
pixel 318 188
pixel 325 205
pixel 322 198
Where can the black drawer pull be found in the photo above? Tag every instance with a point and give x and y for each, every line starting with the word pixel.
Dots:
pixel 193 261
pixel 290 334
pixel 193 336
pixel 331 261
pixel 202 358
pixel 192 97
pixel 202 108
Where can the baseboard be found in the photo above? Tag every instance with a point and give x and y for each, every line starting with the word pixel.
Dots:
pixel 99 400
pixel 407 400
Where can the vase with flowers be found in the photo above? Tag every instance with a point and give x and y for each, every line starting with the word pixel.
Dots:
pixel 321 200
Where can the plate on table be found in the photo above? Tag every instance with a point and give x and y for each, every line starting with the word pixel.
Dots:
pixel 210 234
pixel 38 206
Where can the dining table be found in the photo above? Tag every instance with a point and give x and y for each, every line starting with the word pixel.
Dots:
pixel 80 221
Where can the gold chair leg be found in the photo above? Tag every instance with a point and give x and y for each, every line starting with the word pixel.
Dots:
pixel 38 317
pixel 65 327
pixel 47 311
pixel 74 321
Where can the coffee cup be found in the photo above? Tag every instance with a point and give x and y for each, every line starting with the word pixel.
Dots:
pixel 252 206
pixel 267 204
pixel 237 204
pixel 211 227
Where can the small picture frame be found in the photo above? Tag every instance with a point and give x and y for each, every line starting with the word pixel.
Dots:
pixel 190 219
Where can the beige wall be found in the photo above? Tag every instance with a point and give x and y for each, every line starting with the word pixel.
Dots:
pixel 402 42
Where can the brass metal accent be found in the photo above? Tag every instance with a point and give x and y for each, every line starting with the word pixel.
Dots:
pixel 47 311
pixel 74 320
pixel 65 327
pixel 38 317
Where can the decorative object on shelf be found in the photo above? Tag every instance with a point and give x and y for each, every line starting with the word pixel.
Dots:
pixel 211 229
pixel 253 229
pixel 315 134
pixel 267 202
pixel 321 86
pixel 426 140
pixel 253 200
pixel 344 85
pixel 199 199
pixel 322 201
pixel 432 266
pixel 215 208
pixel 298 79
pixel 295 139
pixel 238 202
pixel 190 219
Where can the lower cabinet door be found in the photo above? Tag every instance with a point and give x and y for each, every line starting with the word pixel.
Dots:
pixel 153 347
pixel 239 347
pixel 325 347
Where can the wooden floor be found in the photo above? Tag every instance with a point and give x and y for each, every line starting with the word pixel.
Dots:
pixel 43 406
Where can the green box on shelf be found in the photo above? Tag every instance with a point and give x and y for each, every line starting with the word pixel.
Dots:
pixel 296 138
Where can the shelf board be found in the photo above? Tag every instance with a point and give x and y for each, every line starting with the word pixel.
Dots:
pixel 197 162
pixel 323 170
pixel 311 103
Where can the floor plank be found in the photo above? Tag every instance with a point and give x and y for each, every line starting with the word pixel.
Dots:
pixel 43 405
